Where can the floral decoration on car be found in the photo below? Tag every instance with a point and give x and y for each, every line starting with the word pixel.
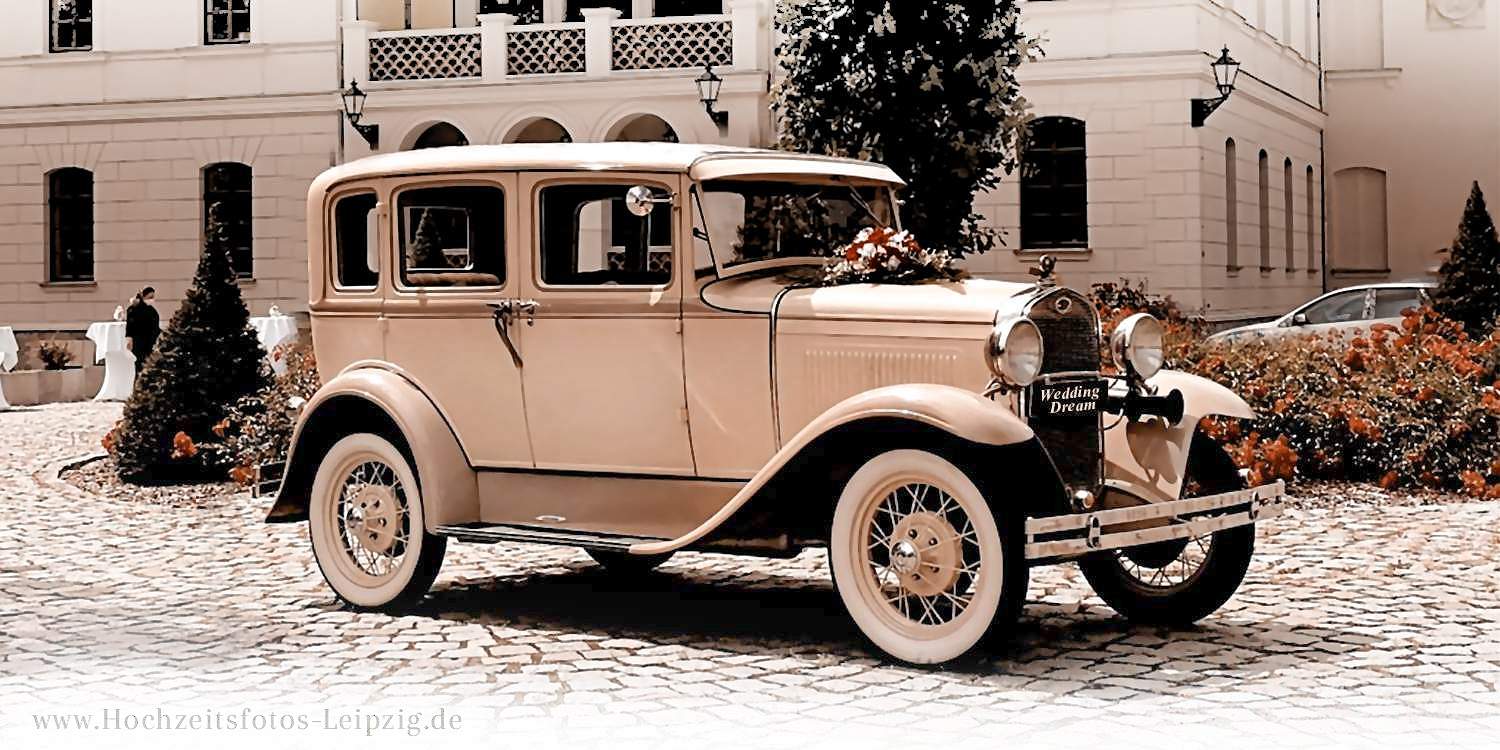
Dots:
pixel 885 256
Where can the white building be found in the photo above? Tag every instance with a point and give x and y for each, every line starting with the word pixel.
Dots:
pixel 115 135
pixel 1414 121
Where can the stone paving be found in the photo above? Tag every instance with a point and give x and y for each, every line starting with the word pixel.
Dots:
pixel 1358 626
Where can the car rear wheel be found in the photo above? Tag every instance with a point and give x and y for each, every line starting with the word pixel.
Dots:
pixel 922 565
pixel 366 523
pixel 1182 581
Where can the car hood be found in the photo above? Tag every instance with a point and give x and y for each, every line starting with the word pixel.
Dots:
pixel 964 301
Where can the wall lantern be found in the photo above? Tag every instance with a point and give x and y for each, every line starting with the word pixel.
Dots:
pixel 354 109
pixel 1226 70
pixel 708 92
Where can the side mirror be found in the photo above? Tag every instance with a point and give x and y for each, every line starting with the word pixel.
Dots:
pixel 1300 319
pixel 642 200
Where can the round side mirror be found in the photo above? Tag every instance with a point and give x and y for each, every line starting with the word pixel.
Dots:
pixel 641 200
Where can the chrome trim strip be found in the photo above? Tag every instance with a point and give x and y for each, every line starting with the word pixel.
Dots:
pixel 1261 502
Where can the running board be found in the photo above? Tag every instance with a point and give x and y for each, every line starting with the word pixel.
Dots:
pixel 491 533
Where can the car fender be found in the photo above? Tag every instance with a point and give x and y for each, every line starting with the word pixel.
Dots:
pixel 1148 458
pixel 344 405
pixel 963 414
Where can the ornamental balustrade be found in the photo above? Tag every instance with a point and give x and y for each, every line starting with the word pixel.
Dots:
pixel 501 50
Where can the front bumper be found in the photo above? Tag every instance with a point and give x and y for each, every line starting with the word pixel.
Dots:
pixel 1081 533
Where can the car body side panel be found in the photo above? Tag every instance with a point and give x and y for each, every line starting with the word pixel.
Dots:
pixel 956 411
pixel 448 483
pixel 1148 458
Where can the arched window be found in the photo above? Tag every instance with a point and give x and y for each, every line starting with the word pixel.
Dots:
pixel 1288 211
pixel 1054 186
pixel 439 135
pixel 70 225
pixel 228 185
pixel 1312 256
pixel 1265 211
pixel 1360 239
pixel 1231 207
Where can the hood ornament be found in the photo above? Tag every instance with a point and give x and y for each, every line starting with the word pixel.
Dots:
pixel 1043 271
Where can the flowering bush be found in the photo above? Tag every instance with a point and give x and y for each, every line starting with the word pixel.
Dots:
pixel 882 255
pixel 258 430
pixel 1411 406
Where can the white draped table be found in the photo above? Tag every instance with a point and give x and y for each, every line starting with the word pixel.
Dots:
pixel 9 356
pixel 119 363
pixel 275 330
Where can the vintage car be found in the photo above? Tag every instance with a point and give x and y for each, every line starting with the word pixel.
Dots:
pixel 624 348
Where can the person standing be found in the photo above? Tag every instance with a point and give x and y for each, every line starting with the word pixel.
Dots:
pixel 142 326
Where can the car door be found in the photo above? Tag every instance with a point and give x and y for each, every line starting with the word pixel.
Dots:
pixel 455 249
pixel 603 371
pixel 1391 302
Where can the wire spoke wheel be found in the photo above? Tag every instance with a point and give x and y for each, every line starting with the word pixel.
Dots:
pixel 1166 565
pixel 919 559
pixel 373 518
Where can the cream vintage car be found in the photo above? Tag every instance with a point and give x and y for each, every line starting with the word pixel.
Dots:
pixel 622 348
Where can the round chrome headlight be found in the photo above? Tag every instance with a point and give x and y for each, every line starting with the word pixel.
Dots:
pixel 1137 343
pixel 1015 351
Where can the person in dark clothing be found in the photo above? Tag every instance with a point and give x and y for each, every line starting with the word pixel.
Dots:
pixel 142 326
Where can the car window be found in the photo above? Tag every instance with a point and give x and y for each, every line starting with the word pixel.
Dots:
pixel 1389 303
pixel 760 220
pixel 452 236
pixel 589 238
pixel 357 247
pixel 1340 308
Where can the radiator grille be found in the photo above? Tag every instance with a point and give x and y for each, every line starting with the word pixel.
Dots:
pixel 1070 340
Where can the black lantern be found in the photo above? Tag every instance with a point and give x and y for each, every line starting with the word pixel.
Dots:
pixel 708 92
pixel 354 109
pixel 1226 71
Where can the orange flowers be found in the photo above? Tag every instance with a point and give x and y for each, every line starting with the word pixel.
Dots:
pixel 183 447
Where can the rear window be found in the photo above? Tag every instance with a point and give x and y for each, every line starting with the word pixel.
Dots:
pixel 452 236
pixel 357 261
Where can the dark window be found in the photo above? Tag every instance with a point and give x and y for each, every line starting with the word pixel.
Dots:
pixel 576 7
pixel 1231 207
pixel 589 239
pixel 688 7
pixel 439 136
pixel 227 186
pixel 525 11
pixel 1312 261
pixel 452 236
pixel 226 21
pixel 1265 211
pixel 357 238
pixel 70 224
pixel 1287 208
pixel 1054 186
pixel 72 25
pixel 1390 303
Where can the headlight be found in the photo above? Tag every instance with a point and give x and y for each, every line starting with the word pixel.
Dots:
pixel 1137 345
pixel 1015 351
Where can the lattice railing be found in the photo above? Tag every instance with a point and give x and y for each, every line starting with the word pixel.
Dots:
pixel 404 56
pixel 682 42
pixel 534 49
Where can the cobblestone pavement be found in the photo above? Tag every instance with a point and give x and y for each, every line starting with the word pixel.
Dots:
pixel 1358 625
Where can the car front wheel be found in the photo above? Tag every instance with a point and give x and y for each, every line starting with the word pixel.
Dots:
pixel 921 563
pixel 366 523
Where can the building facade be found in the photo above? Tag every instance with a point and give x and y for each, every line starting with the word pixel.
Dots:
pixel 118 127
pixel 1414 121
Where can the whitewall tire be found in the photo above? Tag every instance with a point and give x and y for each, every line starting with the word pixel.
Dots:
pixel 366 522
pixel 920 561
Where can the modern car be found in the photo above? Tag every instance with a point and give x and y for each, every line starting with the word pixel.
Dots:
pixel 627 348
pixel 1344 312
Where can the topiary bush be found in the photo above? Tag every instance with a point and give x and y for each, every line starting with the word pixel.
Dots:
pixel 258 430
pixel 1469 291
pixel 208 359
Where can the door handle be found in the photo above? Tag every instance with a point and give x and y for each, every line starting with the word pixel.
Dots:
pixel 502 312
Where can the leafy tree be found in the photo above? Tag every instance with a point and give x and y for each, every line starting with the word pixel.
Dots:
pixel 1470 288
pixel 929 89
pixel 209 357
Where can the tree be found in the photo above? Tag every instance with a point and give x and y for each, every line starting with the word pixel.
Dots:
pixel 209 357
pixel 929 89
pixel 1469 290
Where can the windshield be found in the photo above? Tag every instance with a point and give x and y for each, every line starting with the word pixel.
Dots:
pixel 745 221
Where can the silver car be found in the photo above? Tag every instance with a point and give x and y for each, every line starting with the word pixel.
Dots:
pixel 1345 311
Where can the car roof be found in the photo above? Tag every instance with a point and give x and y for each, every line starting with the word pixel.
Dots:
pixel 705 161
pixel 1388 285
